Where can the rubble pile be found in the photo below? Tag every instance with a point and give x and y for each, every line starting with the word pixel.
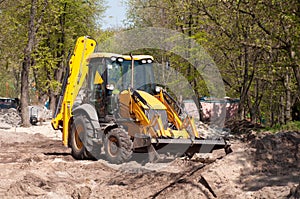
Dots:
pixel 40 112
pixel 9 118
pixel 210 131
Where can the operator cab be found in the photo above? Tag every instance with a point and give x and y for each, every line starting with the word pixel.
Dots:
pixel 110 74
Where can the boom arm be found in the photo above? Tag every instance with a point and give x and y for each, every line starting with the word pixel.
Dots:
pixel 75 77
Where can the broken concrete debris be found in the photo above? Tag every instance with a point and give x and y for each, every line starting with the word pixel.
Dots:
pixel 11 117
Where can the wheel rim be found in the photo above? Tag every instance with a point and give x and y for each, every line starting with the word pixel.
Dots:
pixel 78 142
pixel 113 146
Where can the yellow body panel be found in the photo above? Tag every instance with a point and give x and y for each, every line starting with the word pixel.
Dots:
pixel 172 114
pixel 152 101
pixel 129 108
pixel 78 71
pixel 124 100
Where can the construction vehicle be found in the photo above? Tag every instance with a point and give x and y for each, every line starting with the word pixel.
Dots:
pixel 111 101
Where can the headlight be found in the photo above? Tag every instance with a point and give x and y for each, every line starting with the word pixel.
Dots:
pixel 120 59
pixel 158 89
pixel 110 87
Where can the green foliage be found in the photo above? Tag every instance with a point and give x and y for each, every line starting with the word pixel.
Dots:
pixel 290 126
pixel 66 21
pixel 254 43
pixel 57 26
pixel 7 88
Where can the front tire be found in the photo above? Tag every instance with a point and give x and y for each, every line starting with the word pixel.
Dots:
pixel 82 144
pixel 117 146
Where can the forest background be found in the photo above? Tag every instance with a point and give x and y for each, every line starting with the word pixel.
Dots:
pixel 255 45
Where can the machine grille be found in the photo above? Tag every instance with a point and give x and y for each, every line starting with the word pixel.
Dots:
pixel 163 114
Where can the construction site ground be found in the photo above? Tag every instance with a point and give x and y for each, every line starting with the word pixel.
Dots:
pixel 34 164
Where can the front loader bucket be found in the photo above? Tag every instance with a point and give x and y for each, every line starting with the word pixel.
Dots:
pixel 188 146
pixel 185 141
pixel 158 148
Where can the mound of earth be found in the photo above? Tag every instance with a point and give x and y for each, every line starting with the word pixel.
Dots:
pixel 34 164
pixel 9 118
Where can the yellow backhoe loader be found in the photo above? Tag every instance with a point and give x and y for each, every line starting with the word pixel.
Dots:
pixel 111 101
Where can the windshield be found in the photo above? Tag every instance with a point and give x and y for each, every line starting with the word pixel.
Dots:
pixel 143 75
pixel 114 73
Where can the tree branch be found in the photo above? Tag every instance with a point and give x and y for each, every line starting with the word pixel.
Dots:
pixel 258 46
pixel 215 20
pixel 42 15
pixel 268 32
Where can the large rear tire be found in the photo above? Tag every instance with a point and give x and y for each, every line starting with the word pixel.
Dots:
pixel 82 144
pixel 117 146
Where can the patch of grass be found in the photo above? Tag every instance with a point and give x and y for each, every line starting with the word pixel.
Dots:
pixel 290 126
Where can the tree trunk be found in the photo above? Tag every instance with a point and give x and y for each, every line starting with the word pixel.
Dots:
pixel 281 119
pixel 296 68
pixel 246 83
pixel 61 65
pixel 24 93
pixel 26 66
pixel 288 98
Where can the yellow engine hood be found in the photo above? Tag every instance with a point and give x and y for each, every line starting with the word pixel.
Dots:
pixel 152 101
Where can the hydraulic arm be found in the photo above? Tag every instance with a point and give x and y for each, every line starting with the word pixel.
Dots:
pixel 77 71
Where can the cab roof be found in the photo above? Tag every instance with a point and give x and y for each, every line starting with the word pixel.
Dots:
pixel 126 57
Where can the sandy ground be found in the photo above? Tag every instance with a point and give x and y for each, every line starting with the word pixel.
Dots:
pixel 34 164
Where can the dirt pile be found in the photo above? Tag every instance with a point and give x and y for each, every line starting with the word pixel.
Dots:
pixel 277 154
pixel 294 193
pixel 264 166
pixel 277 161
pixel 239 128
pixel 9 118
pixel 36 165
